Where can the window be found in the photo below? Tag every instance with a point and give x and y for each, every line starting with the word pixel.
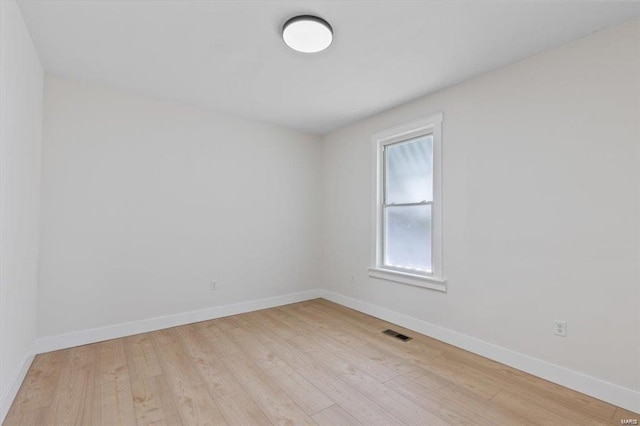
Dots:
pixel 407 234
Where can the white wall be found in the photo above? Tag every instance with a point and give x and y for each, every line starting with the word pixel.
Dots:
pixel 146 201
pixel 21 78
pixel 541 193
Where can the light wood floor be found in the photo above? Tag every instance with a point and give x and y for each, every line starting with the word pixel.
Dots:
pixel 308 363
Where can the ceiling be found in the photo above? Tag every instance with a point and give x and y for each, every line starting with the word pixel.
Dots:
pixel 229 55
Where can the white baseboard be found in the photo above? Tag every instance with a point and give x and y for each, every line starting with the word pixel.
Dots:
pixel 10 394
pixel 63 341
pixel 597 388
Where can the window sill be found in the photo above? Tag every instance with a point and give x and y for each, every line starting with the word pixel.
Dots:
pixel 432 283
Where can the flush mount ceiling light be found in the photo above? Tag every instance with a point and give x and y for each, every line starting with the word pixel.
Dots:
pixel 307 34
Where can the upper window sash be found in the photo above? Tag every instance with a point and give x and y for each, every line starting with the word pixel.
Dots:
pixel 391 182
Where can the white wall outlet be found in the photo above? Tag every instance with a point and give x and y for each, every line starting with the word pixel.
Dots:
pixel 213 286
pixel 352 280
pixel 560 328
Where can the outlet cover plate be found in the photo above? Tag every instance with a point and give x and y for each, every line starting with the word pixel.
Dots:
pixel 560 328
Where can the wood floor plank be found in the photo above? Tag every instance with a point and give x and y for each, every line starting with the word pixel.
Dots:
pixel 73 397
pixel 621 414
pixel 541 415
pixel 290 330
pixel 215 375
pixel 334 415
pixel 373 368
pixel 357 405
pixel 153 402
pixel 277 406
pixel 228 324
pixel 239 409
pixel 36 416
pixel 113 401
pixel 141 357
pixel 303 392
pixel 457 397
pixel 373 326
pixel 247 372
pixel 545 393
pixel 350 368
pixel 265 334
pixel 196 406
pixel 585 413
pixel 39 385
pixel 219 343
pixel 377 348
pixel 462 375
pixel 260 354
pixel 403 366
pixel 454 405
pixel 174 361
pixel 392 402
pixel 400 356
pixel 312 362
pixel 436 406
pixel 194 403
pixel 299 389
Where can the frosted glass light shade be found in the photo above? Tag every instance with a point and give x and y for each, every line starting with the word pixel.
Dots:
pixel 307 34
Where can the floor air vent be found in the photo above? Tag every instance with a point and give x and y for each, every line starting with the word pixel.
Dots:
pixel 397 335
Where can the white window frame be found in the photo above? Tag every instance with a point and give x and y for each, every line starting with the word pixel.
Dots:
pixel 425 126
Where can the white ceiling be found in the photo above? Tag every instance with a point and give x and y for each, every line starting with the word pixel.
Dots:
pixel 228 55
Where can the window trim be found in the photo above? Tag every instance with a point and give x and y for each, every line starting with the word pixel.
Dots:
pixel 431 125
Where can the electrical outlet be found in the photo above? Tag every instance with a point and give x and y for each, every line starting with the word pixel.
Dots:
pixel 560 328
pixel 352 280
pixel 214 286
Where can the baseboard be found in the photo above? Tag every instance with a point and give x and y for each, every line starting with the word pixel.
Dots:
pixel 597 388
pixel 7 399
pixel 63 341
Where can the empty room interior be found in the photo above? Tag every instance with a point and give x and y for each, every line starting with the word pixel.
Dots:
pixel 319 212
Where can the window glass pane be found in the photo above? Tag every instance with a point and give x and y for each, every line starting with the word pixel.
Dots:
pixel 409 171
pixel 408 237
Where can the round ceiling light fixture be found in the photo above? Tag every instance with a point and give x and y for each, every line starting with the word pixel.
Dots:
pixel 307 34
